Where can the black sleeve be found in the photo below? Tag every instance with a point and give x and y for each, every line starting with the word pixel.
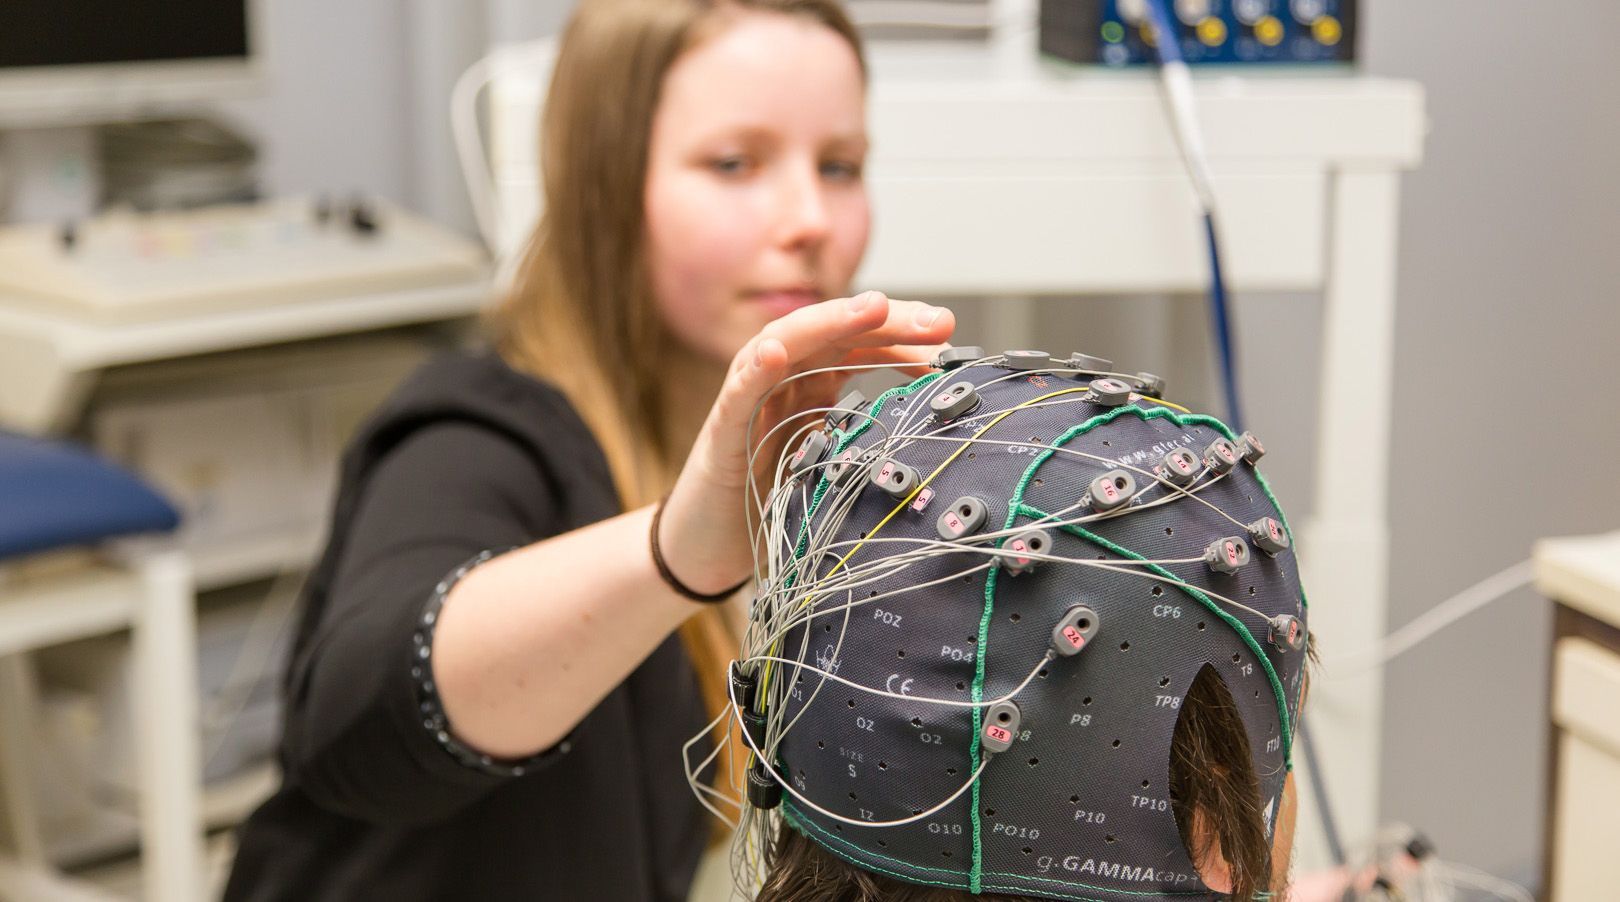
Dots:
pixel 356 741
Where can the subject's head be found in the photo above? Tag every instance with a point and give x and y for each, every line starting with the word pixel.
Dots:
pixel 1026 631
pixel 701 163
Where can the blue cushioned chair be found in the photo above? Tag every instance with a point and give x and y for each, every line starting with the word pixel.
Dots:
pixel 54 495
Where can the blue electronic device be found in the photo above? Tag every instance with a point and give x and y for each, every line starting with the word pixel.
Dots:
pixel 1118 33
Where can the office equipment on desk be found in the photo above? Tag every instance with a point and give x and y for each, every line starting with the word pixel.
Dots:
pixel 1582 574
pixel 55 496
pixel 52 352
pixel 128 58
pixel 1267 32
pixel 131 267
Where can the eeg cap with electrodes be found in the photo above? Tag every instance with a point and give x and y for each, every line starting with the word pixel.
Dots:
pixel 987 593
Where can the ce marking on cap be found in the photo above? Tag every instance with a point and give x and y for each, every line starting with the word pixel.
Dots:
pixel 905 685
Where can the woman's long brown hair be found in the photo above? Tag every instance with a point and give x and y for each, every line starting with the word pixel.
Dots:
pixel 580 314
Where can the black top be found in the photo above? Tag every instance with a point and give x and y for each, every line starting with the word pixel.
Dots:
pixel 468 456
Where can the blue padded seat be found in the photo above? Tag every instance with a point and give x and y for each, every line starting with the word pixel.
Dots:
pixel 53 495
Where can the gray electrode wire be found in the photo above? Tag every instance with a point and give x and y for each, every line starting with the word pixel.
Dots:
pixel 1433 621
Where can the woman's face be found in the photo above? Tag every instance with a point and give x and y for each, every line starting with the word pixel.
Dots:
pixel 755 204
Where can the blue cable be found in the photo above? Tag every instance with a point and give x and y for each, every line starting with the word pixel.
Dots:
pixel 1168 50
pixel 1221 320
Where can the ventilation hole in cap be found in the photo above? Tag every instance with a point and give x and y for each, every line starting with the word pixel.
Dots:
pixel 916 811
pixel 1014 617
pixel 1125 646
pixel 863 535
pixel 968 580
pixel 882 844
pixel 1035 438
pixel 829 627
pixel 1086 700
pixel 972 454
pixel 852 703
pixel 902 652
pixel 989 812
pixel 838 827
pixel 801 771
pixel 1116 743
pixel 854 798
pixel 1041 673
pixel 950 771
pixel 1251 590
pixel 1034 761
pixel 1200 624
pixel 945 852
pixel 1035 482
pixel 883 765
pixel 1074 799
pixel 916 721
pixel 1169 531
pixel 1157 591
pixel 1108 838
pixel 1164 681
pixel 1256 693
pixel 1236 657
pixel 1028 850
pixel 820 744
pixel 960 687
pixel 1144 784
pixel 1106 445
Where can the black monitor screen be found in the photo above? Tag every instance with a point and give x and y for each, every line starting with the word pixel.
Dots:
pixel 73 32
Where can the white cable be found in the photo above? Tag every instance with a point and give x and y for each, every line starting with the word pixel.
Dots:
pixel 1436 619
pixel 1176 78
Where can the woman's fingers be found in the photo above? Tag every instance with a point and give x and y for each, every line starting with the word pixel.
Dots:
pixel 868 319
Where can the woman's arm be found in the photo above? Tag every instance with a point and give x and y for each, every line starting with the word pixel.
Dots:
pixel 530 642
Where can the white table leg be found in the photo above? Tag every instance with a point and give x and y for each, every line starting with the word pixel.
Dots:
pixel 1345 546
pixel 18 721
pixel 166 740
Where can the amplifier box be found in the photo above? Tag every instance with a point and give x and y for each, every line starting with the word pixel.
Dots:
pixel 1117 32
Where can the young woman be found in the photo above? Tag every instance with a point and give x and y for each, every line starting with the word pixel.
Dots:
pixel 485 698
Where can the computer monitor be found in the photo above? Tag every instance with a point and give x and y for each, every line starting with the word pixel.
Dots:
pixel 80 61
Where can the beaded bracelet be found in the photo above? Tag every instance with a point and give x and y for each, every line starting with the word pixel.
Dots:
pixel 427 690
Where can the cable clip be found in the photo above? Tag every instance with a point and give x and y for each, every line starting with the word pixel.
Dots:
pixel 1180 467
pixel 1074 630
pixel 810 452
pixel 1111 491
pixel 966 515
pixel 1227 555
pixel 1286 632
pixel 894 477
pixel 1016 552
pixel 1221 456
pixel 958 398
pixel 1000 727
pixel 1269 535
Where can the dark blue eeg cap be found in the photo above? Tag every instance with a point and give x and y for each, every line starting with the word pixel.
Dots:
pixel 989 592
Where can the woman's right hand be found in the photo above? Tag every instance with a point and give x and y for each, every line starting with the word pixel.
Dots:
pixel 704 532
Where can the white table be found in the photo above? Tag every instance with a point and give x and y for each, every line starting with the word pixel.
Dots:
pixel 995 174
pixel 49 364
pixel 1582 574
